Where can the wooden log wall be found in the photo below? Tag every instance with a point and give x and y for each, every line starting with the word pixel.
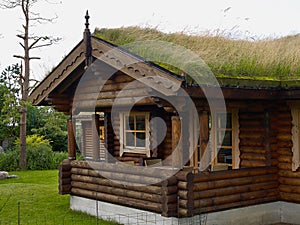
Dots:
pixel 289 182
pixel 258 143
pixel 90 96
pixel 221 190
pixel 64 174
pixel 125 185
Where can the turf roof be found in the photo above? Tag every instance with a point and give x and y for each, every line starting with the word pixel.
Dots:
pixel 263 63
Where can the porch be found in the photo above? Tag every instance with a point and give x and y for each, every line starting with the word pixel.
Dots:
pixel 169 193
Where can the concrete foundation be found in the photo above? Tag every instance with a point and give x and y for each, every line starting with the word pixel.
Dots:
pixel 264 214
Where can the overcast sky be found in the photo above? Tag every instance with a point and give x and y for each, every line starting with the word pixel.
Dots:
pixel 255 18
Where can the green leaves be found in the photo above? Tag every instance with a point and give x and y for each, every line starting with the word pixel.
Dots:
pixel 10 77
pixel 47 122
pixel 9 102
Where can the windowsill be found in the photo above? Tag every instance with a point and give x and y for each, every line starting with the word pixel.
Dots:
pixel 137 151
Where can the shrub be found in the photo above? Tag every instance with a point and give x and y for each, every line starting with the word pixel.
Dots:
pixel 58 157
pixel 38 152
pixel 39 155
pixel 9 161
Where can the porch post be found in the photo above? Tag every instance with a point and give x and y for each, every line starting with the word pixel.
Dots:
pixel 71 141
pixel 176 142
pixel 204 155
pixel 96 138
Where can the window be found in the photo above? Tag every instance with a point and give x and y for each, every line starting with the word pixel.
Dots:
pixel 101 132
pixel 224 138
pixel 134 133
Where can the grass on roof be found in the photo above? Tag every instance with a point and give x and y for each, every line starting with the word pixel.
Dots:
pixel 275 59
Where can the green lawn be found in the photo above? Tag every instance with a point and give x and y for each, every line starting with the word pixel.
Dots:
pixel 40 203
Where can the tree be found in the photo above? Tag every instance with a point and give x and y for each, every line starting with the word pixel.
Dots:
pixel 9 102
pixel 28 42
pixel 46 122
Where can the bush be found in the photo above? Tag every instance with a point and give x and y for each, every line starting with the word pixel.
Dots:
pixel 58 157
pixel 9 161
pixel 38 152
pixel 39 155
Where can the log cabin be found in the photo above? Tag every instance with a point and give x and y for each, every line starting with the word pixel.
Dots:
pixel 154 141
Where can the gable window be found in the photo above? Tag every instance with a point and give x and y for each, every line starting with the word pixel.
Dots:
pixel 225 141
pixel 134 133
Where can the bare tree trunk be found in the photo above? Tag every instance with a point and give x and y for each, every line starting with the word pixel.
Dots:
pixel 27 45
pixel 22 164
pixel 25 86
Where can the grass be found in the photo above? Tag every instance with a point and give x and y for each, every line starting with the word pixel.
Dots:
pixel 275 59
pixel 40 203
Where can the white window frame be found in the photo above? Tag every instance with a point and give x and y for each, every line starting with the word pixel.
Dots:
pixel 137 150
pixel 235 139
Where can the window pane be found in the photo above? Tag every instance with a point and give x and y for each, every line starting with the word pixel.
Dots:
pixel 140 122
pixel 141 139
pixel 224 120
pixel 129 122
pixel 129 141
pixel 227 138
pixel 224 156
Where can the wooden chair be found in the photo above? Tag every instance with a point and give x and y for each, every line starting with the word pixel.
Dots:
pixel 153 162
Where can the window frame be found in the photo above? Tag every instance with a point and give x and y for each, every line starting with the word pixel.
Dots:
pixel 134 149
pixel 234 138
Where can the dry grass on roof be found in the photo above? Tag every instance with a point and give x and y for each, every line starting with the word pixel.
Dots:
pixel 269 59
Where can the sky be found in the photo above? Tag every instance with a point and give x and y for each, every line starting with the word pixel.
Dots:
pixel 252 18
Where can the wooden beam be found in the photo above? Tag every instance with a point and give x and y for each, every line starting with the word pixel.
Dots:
pixel 176 142
pixel 134 92
pixel 267 138
pixel 96 138
pixel 232 93
pixel 103 103
pixel 204 153
pixel 71 141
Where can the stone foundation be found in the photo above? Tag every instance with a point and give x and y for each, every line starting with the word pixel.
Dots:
pixel 264 214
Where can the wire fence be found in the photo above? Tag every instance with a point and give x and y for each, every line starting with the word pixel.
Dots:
pixel 155 219
pixel 116 219
pixel 53 221
pixel 146 218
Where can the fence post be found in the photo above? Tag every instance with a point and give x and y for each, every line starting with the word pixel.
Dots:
pixel 97 213
pixel 19 219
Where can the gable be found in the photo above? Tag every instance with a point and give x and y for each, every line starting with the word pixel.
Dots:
pixel 118 91
pixel 68 73
pixel 72 61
